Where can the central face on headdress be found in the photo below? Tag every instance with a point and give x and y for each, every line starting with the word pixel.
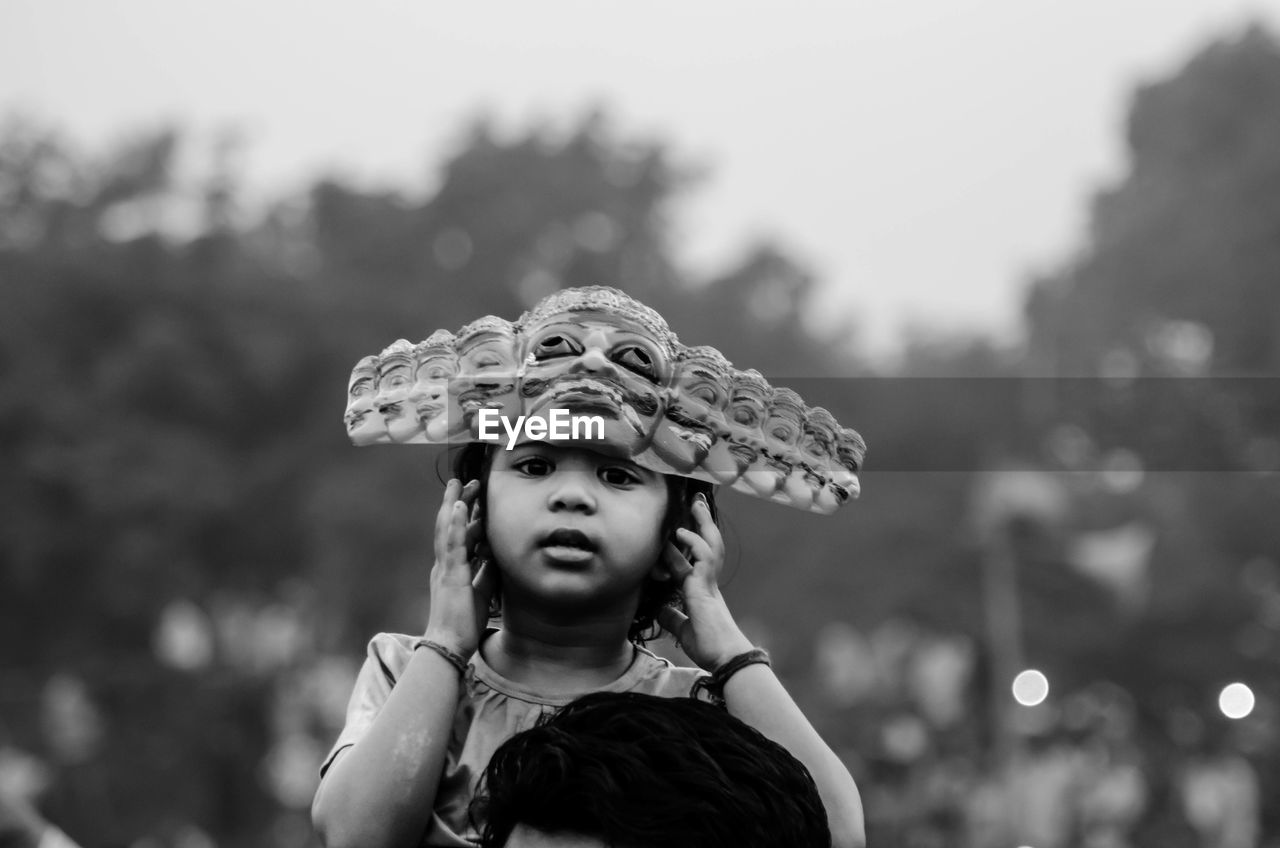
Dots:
pixel 595 354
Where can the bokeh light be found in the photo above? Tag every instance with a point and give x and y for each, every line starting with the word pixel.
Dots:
pixel 1236 700
pixel 1030 687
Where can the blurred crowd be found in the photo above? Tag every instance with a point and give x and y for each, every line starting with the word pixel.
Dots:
pixel 904 703
pixel 1080 768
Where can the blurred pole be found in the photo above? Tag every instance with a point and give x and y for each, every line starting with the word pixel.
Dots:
pixel 1004 638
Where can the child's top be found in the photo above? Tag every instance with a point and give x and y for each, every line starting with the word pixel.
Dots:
pixel 491 709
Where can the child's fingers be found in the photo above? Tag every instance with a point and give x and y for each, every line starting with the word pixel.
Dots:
pixel 485 581
pixel 700 552
pixel 444 515
pixel 446 502
pixel 706 524
pixel 456 544
pixel 475 527
pixel 677 563
pixel 469 492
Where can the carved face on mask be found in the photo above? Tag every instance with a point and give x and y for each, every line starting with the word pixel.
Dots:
pixel 782 427
pixel 748 411
pixel 364 423
pixel 437 363
pixel 807 483
pixel 487 364
pixel 694 420
pixel 395 379
pixel 596 352
pixel 850 450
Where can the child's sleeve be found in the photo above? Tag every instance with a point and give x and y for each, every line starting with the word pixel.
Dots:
pixel 386 659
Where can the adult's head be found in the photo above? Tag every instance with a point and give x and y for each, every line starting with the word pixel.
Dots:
pixel 627 770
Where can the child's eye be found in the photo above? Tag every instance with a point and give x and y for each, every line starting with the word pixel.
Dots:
pixel 618 476
pixel 534 466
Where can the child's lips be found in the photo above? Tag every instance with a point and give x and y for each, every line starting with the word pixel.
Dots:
pixel 567 537
pixel 567 554
pixel 567 545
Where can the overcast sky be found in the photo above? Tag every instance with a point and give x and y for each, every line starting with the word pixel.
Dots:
pixel 923 157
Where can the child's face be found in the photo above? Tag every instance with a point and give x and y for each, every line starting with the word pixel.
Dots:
pixel 569 525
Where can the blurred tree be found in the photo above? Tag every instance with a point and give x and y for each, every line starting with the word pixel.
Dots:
pixel 758 312
pixel 1180 277
pixel 1190 234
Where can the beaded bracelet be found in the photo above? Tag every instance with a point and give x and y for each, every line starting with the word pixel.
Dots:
pixel 713 684
pixel 455 660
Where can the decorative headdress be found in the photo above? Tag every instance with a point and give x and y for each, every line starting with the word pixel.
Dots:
pixel 594 367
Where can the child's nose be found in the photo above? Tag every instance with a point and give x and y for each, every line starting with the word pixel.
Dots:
pixel 573 492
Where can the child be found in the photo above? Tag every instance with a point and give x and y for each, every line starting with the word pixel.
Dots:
pixel 583 547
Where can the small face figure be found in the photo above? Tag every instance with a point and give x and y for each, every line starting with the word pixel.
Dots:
pixel 694 420
pixel 573 530
pixel 850 450
pixel 395 379
pixel 364 424
pixel 817 440
pixel 486 378
pixel 780 432
pixel 817 449
pixel 597 364
pixel 747 413
pixel 805 483
pixel 437 363
pixel 784 424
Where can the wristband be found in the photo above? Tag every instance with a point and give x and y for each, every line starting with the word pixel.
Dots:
pixel 455 660
pixel 714 683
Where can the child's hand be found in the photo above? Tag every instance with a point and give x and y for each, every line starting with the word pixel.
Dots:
pixel 461 584
pixel 707 634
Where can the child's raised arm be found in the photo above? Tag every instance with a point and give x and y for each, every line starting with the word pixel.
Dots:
pixel 710 637
pixel 380 791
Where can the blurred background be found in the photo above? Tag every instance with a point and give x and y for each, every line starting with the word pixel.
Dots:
pixel 1032 254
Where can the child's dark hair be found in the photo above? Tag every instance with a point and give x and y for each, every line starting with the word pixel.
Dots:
pixel 472 462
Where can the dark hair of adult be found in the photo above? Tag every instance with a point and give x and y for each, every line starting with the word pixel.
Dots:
pixel 473 462
pixel 639 771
